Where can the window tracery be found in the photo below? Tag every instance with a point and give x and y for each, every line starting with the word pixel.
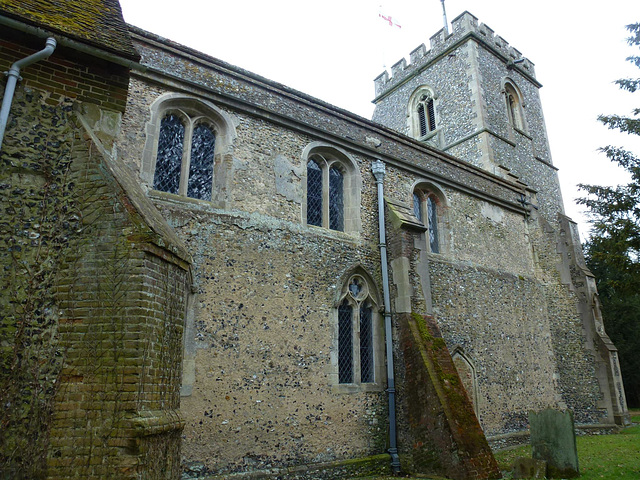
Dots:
pixel 359 336
pixel 332 190
pixel 422 115
pixel 179 169
pixel 187 140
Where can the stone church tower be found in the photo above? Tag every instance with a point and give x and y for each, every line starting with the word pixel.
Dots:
pixel 474 96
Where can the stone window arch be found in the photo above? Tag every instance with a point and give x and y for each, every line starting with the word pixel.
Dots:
pixel 514 103
pixel 422 115
pixel 357 354
pixel 332 196
pixel 188 149
pixel 430 207
pixel 467 372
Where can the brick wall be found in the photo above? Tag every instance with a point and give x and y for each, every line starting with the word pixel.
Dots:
pixel 93 299
pixel 66 74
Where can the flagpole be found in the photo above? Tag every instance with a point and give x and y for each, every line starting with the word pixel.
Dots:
pixel 444 17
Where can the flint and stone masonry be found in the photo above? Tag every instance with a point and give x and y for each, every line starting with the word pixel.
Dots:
pixel 153 333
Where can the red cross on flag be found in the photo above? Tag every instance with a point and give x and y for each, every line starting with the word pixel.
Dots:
pixel 389 20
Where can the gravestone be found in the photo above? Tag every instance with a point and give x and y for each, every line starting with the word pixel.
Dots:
pixel 553 440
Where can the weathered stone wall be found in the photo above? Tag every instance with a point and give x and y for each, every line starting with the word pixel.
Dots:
pixel 38 217
pixel 262 397
pixel 258 389
pixel 93 295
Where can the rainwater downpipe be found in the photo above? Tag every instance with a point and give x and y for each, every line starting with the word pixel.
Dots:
pixel 14 76
pixel 378 169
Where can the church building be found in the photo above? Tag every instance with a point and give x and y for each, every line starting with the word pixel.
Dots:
pixel 209 274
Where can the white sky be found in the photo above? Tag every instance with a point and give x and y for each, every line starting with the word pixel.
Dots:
pixel 333 50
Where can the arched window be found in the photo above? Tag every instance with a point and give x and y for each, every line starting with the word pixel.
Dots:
pixel 358 346
pixel 426 115
pixel 187 140
pixel 332 199
pixel 514 105
pixel 422 114
pixel 184 162
pixel 425 208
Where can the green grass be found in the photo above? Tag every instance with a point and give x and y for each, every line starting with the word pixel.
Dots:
pixel 600 457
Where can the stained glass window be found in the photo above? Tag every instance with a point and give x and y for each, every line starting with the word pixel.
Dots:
pixel 201 165
pixel 432 223
pixel 366 344
pixel 314 194
pixel 345 343
pixel 169 160
pixel 336 199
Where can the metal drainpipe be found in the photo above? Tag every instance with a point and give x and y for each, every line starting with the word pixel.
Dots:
pixel 378 170
pixel 14 76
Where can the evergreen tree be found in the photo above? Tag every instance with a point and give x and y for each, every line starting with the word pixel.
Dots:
pixel 613 250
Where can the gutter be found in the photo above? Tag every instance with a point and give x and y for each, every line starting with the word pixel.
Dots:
pixel 378 169
pixel 73 44
pixel 51 43
pixel 14 76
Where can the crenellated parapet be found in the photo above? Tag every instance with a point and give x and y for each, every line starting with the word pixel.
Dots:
pixel 464 26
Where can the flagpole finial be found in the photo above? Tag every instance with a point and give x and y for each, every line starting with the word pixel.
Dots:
pixel 444 18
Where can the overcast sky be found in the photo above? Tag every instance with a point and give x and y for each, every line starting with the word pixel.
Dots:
pixel 334 49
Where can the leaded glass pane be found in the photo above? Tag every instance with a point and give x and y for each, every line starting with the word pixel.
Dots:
pixel 345 343
pixel 201 166
pixel 314 194
pixel 355 287
pixel 433 225
pixel 336 199
pixel 366 344
pixel 169 160
pixel 432 115
pixel 417 206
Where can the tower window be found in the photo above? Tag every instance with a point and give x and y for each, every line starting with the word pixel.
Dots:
pixel 426 115
pixel 514 106
pixel 422 115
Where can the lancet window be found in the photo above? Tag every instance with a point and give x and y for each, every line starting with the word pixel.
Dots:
pixel 358 334
pixel 425 208
pixel 514 106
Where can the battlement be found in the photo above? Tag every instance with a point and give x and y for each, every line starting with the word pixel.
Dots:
pixel 463 26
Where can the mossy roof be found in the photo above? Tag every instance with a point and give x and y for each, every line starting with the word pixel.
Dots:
pixel 95 22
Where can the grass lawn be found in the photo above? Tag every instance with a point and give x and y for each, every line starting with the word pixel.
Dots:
pixel 600 457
